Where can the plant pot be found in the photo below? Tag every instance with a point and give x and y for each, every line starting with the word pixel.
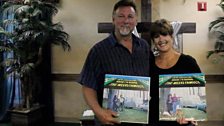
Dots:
pixel 29 117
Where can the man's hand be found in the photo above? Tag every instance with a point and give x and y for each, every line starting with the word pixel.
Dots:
pixel 107 116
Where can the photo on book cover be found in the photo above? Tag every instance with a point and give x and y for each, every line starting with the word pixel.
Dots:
pixel 182 96
pixel 128 96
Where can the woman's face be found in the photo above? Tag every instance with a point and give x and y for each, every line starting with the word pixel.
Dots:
pixel 163 43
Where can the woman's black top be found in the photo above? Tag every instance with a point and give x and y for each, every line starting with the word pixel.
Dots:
pixel 185 64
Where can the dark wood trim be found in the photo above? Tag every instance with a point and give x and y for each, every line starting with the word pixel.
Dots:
pixel 75 78
pixel 65 77
pixel 214 78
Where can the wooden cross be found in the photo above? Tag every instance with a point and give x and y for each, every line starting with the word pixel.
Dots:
pixel 144 26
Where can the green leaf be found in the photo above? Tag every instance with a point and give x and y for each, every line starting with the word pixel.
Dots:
pixel 209 53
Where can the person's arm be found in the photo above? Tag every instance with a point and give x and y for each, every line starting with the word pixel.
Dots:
pixel 105 116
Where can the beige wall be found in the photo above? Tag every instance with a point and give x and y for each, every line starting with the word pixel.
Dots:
pixel 69 102
pixel 80 18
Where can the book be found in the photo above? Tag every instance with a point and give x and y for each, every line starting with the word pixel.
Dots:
pixel 182 96
pixel 128 96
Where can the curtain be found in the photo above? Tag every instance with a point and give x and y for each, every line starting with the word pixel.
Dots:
pixel 178 38
pixel 10 94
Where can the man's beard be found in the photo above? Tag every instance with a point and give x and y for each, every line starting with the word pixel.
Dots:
pixel 125 31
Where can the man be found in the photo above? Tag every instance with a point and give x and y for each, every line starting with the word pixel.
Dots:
pixel 174 103
pixel 121 53
pixel 122 99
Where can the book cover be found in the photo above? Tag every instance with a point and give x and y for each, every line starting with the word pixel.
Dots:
pixel 128 96
pixel 182 96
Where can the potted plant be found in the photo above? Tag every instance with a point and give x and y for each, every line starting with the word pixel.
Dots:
pixel 33 30
pixel 217 28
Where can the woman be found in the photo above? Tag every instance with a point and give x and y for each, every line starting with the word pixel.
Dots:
pixel 168 60
pixel 169 104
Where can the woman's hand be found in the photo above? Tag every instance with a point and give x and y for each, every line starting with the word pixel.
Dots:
pixel 186 121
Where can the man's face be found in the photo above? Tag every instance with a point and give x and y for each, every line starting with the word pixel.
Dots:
pixel 124 20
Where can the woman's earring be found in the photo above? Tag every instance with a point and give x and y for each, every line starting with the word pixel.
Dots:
pixel 155 51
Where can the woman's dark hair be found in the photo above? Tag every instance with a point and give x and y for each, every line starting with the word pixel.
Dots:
pixel 161 27
pixel 124 3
